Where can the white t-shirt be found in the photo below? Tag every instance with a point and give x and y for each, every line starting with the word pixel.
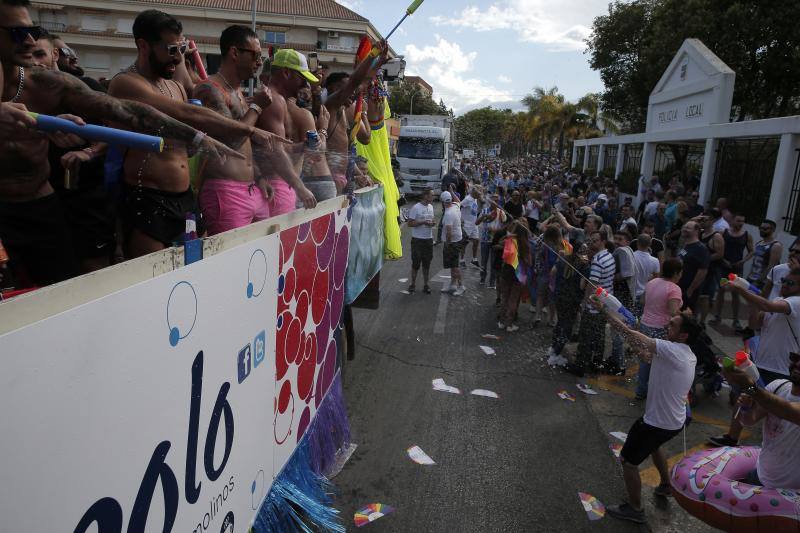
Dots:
pixel 647 266
pixel 532 210
pixel 421 213
pixel 469 210
pixel 780 445
pixel 651 208
pixel 671 376
pixel 452 218
pixel 777 340
pixel 775 275
pixel 721 225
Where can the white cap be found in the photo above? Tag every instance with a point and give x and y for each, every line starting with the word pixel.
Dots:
pixel 446 197
pixel 602 197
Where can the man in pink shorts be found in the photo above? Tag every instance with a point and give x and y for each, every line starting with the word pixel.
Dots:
pixel 230 197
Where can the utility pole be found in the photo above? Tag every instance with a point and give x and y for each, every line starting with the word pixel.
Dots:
pixel 251 83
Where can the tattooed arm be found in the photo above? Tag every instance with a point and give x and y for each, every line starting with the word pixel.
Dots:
pixel 76 97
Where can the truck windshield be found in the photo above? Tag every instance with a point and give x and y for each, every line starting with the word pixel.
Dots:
pixel 420 148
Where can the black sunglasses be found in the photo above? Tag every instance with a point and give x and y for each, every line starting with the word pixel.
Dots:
pixel 254 52
pixel 20 33
pixel 788 282
pixel 67 52
pixel 794 250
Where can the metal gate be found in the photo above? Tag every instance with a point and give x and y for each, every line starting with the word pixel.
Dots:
pixel 743 174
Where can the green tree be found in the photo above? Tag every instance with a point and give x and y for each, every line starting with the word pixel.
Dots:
pixel 633 44
pixel 403 95
pixel 481 128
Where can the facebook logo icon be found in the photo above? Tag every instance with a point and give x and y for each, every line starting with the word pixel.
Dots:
pixel 258 348
pixel 244 363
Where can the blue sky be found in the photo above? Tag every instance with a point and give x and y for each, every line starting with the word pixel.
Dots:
pixel 492 52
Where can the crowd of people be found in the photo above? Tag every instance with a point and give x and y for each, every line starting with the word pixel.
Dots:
pixel 69 206
pixel 540 231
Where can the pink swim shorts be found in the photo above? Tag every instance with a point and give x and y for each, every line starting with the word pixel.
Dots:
pixel 283 197
pixel 229 204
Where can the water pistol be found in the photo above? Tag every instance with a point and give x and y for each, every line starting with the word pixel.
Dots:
pixel 613 305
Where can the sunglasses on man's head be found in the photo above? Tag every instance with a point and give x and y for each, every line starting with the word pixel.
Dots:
pixel 68 52
pixel 20 33
pixel 176 49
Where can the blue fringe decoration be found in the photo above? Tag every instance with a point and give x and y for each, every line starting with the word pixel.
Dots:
pixel 301 496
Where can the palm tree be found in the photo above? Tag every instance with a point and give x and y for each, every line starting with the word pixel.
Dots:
pixel 599 120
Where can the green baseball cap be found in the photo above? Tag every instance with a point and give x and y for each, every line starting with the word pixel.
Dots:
pixel 292 59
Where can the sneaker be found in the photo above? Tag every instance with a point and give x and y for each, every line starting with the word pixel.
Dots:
pixel 640 397
pixel 475 263
pixel 715 320
pixel 561 361
pixel 664 491
pixel 448 288
pixel 462 264
pixel 532 308
pixel 459 291
pixel 737 326
pixel 723 440
pixel 412 288
pixel 626 512
pixel 492 286
pixel 426 289
pixel 512 328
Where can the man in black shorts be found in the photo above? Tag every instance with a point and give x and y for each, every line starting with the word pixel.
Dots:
pixel 671 376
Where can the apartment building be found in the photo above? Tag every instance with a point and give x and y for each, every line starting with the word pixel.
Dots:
pixel 101 31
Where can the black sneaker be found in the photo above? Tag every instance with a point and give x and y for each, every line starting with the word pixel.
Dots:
pixel 663 491
pixel 426 289
pixel 723 440
pixel 626 512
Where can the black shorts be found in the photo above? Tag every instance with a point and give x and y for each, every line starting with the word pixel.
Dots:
pixel 421 252
pixel 643 439
pixel 158 214
pixel 450 254
pixel 36 236
pixel 92 221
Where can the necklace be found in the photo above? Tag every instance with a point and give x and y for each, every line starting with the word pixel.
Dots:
pixel 237 91
pixel 133 68
pixel 21 84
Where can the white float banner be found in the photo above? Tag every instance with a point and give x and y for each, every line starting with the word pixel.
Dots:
pixel 150 409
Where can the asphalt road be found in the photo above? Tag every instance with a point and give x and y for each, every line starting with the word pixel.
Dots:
pixel 515 463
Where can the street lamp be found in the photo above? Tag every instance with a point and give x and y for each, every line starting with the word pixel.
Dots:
pixel 411 110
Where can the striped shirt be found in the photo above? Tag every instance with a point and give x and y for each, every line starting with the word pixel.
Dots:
pixel 602 273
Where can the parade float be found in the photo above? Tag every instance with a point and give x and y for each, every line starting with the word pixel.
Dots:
pixel 195 389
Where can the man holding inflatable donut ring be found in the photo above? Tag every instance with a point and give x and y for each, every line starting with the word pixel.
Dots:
pixel 671 375
pixel 778 404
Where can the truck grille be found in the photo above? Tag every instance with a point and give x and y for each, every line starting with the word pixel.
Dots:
pixel 419 171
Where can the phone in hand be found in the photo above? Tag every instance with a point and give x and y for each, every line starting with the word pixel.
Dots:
pixel 313 61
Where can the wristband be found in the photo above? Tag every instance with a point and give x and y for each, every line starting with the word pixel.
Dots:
pixel 89 150
pixel 323 132
pixel 198 138
pixel 255 107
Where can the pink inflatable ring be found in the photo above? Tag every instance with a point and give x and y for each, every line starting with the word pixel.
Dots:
pixel 704 484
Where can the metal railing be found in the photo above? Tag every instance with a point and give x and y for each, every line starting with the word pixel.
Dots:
pixel 54 27
pixel 791 222
pixel 743 174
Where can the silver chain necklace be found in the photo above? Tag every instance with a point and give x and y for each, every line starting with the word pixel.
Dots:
pixel 135 69
pixel 21 84
pixel 238 92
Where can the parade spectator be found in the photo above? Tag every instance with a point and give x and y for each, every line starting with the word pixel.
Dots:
pixel 514 206
pixel 469 217
pixel 647 268
pixel 491 221
pixel 568 294
pixel 695 258
pixel 671 211
pixel 660 302
pixel 421 222
pixel 452 236
pixel 727 214
pixel 718 222
pixel 778 405
pixel 532 207
pixel 693 208
pixel 516 262
pixel 737 240
pixel 592 331
pixel 656 244
pixel 671 375
pixel 768 252
pixel 542 283
pixel 713 240
pixel 772 286
pixel 779 320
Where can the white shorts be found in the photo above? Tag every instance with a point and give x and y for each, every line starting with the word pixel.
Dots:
pixel 471 231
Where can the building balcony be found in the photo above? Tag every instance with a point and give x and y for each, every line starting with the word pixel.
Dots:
pixel 54 27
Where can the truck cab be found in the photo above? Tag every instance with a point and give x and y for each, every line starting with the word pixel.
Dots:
pixel 424 152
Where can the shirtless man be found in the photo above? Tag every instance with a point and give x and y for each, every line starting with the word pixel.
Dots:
pixel 229 197
pixel 315 172
pixel 158 194
pixel 31 220
pixel 288 73
pixel 45 55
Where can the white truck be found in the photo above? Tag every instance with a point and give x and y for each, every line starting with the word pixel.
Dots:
pixel 424 152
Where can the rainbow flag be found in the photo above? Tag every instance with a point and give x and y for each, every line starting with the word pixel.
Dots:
pixel 511 258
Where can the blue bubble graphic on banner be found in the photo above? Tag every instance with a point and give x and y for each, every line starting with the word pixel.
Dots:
pixel 281 283
pixel 280 321
pixel 256 273
pixel 181 311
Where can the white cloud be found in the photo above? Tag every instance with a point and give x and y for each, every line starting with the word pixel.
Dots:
pixel 504 79
pixel 352 5
pixel 562 25
pixel 447 68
